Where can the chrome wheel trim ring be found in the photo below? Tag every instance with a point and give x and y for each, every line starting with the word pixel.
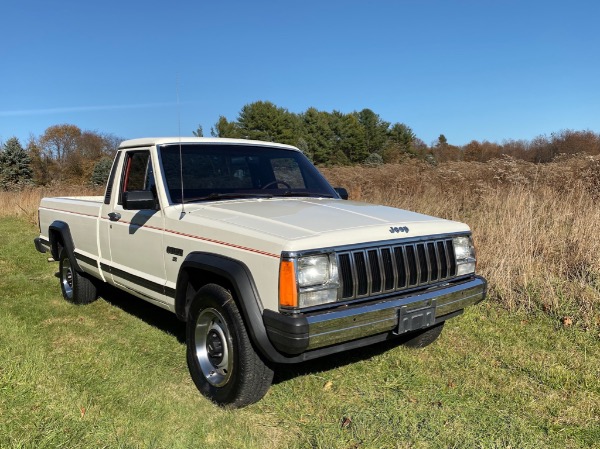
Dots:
pixel 66 278
pixel 213 346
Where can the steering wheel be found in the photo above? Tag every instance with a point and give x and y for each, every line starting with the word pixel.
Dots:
pixel 276 182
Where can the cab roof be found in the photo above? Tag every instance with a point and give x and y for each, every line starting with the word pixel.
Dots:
pixel 152 141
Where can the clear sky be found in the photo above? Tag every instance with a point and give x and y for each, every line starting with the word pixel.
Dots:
pixel 468 69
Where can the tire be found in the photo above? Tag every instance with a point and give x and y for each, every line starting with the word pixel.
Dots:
pixel 76 287
pixel 424 337
pixel 221 359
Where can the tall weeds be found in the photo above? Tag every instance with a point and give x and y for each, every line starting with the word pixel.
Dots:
pixel 535 226
pixel 24 203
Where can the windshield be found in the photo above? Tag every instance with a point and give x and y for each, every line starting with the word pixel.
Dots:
pixel 227 171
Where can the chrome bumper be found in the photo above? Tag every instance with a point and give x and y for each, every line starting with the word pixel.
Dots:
pixel 369 319
pixel 398 314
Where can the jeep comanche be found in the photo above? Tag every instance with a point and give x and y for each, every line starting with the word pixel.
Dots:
pixel 265 262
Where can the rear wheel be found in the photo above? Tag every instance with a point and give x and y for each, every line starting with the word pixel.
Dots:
pixel 424 337
pixel 76 287
pixel 221 359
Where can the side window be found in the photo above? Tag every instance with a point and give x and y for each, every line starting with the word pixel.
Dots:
pixel 288 171
pixel 137 173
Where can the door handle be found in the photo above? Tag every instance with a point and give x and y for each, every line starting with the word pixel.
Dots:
pixel 114 216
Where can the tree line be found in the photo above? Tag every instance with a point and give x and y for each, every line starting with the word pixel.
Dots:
pixel 66 154
pixel 327 138
pixel 336 138
pixel 63 154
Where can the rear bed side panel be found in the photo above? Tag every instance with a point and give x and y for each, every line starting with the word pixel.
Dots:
pixel 74 220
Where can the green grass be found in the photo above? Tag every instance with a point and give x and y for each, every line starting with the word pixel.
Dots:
pixel 113 374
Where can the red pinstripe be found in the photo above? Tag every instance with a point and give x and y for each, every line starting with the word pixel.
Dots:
pixel 183 234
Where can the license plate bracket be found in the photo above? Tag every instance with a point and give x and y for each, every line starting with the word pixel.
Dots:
pixel 415 319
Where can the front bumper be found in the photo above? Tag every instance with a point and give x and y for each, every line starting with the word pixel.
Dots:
pixel 295 334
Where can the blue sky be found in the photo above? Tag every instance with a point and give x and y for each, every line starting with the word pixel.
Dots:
pixel 484 70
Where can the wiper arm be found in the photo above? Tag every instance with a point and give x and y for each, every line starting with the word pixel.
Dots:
pixel 230 196
pixel 306 194
pixel 226 196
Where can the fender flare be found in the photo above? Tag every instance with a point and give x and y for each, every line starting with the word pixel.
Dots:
pixel 242 282
pixel 62 229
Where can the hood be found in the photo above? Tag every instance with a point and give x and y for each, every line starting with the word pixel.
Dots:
pixel 301 218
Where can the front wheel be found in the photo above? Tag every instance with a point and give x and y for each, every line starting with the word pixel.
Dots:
pixel 75 287
pixel 221 359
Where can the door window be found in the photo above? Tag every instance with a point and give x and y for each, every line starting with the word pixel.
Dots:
pixel 137 173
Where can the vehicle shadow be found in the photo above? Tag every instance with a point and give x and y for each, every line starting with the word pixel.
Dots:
pixel 284 373
pixel 145 311
pixel 167 322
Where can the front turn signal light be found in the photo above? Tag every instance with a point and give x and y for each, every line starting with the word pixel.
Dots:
pixel 288 291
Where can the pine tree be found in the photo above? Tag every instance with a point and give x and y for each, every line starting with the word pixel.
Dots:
pixel 262 120
pixel 101 171
pixel 15 165
pixel 199 131
pixel 317 135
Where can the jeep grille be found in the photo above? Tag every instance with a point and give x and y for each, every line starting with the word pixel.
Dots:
pixel 386 269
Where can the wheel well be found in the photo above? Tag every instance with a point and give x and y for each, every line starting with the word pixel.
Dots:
pixel 56 242
pixel 60 237
pixel 194 279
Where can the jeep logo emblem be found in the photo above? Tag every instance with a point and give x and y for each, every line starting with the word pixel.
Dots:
pixel 398 230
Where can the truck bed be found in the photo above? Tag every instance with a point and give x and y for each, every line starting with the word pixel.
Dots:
pixel 81 212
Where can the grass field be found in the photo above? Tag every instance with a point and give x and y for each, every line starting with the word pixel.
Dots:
pixel 113 375
pixel 521 370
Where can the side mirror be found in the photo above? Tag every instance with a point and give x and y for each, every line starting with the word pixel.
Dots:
pixel 343 193
pixel 138 200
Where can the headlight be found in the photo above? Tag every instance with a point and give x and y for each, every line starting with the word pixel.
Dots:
pixel 308 281
pixel 314 270
pixel 464 252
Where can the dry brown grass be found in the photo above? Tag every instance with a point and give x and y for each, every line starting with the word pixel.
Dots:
pixel 25 203
pixel 535 226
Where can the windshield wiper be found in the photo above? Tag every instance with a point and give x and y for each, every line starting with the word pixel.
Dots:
pixel 226 196
pixel 306 194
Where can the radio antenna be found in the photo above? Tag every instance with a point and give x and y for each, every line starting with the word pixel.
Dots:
pixel 180 156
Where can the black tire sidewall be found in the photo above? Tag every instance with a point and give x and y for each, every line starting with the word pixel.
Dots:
pixel 84 289
pixel 212 296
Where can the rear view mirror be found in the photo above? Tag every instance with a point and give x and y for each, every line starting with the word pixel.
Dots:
pixel 343 193
pixel 138 200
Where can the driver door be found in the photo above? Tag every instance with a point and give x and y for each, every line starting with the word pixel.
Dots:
pixel 136 236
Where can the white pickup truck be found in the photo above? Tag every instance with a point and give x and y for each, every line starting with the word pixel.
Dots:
pixel 267 264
